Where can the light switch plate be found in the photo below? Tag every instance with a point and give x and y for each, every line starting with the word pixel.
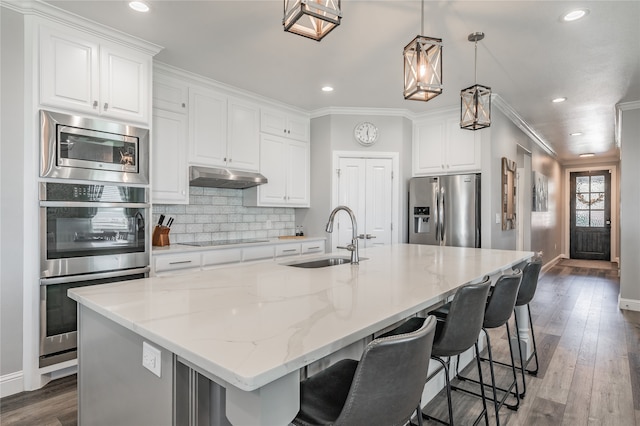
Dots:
pixel 498 218
pixel 151 358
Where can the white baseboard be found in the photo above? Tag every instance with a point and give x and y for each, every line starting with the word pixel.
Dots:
pixel 551 263
pixel 11 384
pixel 628 304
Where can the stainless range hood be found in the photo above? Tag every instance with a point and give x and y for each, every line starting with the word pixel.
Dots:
pixel 214 177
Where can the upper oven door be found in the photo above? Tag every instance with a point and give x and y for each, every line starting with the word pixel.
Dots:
pixel 90 149
pixel 92 228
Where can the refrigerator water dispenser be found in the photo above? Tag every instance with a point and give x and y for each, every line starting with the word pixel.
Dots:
pixel 421 218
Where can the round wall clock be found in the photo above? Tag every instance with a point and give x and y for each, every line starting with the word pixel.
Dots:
pixel 366 133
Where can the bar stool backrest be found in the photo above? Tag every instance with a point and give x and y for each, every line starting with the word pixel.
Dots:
pixel 502 300
pixel 388 382
pixel 529 283
pixel 464 320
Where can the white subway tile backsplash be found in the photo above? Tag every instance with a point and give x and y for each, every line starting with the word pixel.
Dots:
pixel 218 214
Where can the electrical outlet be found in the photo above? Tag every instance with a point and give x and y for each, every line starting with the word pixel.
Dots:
pixel 498 218
pixel 151 358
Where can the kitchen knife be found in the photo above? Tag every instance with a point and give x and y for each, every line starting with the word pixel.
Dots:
pixel 161 220
pixel 169 222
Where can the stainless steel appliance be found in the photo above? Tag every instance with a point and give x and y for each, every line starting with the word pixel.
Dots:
pixel 445 210
pixel 83 148
pixel 90 234
pixel 219 177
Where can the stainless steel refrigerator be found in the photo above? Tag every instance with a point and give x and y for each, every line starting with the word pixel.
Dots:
pixel 445 210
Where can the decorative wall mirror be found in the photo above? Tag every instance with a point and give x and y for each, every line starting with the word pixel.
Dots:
pixel 508 194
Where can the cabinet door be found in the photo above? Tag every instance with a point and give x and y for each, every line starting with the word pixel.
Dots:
pixel 243 145
pixel 68 71
pixel 208 128
pixel 298 128
pixel 298 173
pixel 169 160
pixel 170 94
pixel 463 148
pixel 273 151
pixel 273 122
pixel 428 147
pixel 125 90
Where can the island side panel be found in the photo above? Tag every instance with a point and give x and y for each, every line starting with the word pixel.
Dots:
pixel 113 386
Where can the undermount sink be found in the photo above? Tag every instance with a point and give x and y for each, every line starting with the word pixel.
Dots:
pixel 321 263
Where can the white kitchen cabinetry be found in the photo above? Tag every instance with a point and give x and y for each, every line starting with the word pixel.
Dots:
pixel 169 182
pixel 170 94
pixel 224 132
pixel 280 123
pixel 221 257
pixel 440 146
pixel 292 249
pixel 310 247
pixel 83 73
pixel 176 262
pixel 285 163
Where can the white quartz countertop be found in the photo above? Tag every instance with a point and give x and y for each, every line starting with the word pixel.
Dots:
pixel 251 324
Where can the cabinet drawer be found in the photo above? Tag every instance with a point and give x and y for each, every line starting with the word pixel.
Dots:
pixel 287 250
pixel 255 253
pixel 176 262
pixel 313 247
pixel 220 257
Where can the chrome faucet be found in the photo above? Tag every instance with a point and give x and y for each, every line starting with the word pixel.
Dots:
pixel 353 247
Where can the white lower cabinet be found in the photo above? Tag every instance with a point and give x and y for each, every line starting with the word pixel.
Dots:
pixel 171 263
pixel 176 262
pixel 221 257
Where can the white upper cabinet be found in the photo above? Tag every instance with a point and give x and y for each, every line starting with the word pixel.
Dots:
pixel 170 94
pixel 169 184
pixel 224 131
pixel 280 123
pixel 285 163
pixel 83 73
pixel 440 146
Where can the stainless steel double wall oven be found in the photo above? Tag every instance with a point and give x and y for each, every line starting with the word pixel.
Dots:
pixel 94 211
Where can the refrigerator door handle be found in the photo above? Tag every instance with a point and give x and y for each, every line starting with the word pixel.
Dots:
pixel 437 214
pixel 442 215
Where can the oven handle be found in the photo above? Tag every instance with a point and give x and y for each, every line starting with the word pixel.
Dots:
pixel 90 204
pixel 87 277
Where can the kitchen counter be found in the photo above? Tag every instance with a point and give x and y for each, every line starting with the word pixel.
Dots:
pixel 254 325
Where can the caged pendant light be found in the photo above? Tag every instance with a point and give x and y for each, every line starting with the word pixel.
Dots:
pixel 475 101
pixel 311 18
pixel 423 66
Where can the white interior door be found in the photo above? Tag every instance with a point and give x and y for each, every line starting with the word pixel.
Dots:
pixel 365 186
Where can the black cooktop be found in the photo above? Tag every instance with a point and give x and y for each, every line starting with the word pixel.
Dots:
pixel 222 242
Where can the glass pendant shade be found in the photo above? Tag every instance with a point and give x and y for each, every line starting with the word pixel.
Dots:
pixel 423 68
pixel 311 18
pixel 475 107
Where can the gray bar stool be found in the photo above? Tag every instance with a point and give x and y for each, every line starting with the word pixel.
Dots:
pixel 500 305
pixel 455 334
pixel 383 388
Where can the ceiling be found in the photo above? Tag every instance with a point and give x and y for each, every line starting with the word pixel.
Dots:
pixel 529 56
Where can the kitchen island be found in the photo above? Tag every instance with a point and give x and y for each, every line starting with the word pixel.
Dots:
pixel 251 328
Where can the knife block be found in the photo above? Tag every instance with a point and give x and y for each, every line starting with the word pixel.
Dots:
pixel 160 237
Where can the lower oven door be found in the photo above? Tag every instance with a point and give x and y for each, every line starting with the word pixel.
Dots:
pixel 58 313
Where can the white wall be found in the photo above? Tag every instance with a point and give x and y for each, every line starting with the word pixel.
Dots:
pixel 502 140
pixel 11 190
pixel 334 132
pixel 629 208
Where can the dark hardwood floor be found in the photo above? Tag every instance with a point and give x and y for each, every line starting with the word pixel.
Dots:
pixel 589 362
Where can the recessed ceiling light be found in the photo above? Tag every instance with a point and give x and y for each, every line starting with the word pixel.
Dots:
pixel 575 134
pixel 558 100
pixel 327 89
pixel 574 15
pixel 139 6
pixel 587 154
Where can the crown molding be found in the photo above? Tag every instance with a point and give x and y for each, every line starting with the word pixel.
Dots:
pixel 387 112
pixel 517 119
pixel 42 10
pixel 619 109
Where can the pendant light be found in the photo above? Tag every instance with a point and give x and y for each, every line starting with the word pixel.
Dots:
pixel 475 101
pixel 313 19
pixel 423 66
